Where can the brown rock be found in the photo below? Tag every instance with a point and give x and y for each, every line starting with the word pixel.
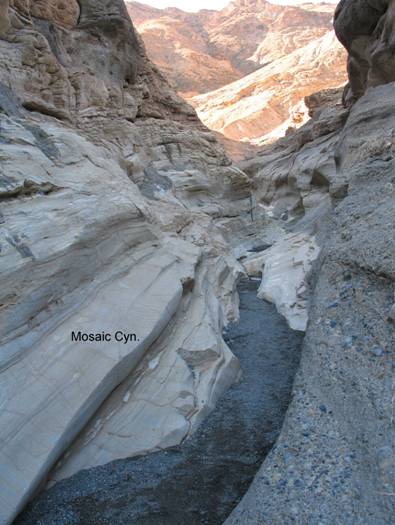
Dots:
pixel 365 28
pixel 4 18
pixel 63 12
pixel 203 51
pixel 265 103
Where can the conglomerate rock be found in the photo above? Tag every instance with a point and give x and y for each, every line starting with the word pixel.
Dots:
pixel 117 206
pixel 334 460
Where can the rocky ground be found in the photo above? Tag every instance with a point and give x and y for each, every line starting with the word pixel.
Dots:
pixel 201 481
pixel 334 460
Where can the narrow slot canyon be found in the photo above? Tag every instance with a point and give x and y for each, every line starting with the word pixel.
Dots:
pixel 197 262
pixel 201 481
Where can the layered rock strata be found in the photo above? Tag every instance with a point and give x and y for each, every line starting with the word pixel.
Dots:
pixel 246 68
pixel 262 106
pixel 203 51
pixel 111 189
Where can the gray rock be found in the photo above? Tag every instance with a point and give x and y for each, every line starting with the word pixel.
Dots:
pixel 343 479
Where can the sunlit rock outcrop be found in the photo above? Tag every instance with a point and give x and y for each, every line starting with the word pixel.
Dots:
pixel 264 105
pixel 203 51
pixel 249 65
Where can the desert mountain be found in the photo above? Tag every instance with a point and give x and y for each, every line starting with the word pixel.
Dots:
pixel 247 68
pixel 269 101
pixel 200 52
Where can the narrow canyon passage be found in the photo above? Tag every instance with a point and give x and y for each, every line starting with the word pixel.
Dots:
pixel 201 481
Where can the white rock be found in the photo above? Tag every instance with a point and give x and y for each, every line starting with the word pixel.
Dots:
pixel 167 395
pixel 85 251
pixel 286 265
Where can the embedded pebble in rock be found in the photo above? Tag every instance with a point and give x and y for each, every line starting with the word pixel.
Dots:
pixel 377 351
pixel 333 460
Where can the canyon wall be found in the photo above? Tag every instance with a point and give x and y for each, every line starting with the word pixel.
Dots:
pixel 121 214
pixel 334 461
pixel 112 194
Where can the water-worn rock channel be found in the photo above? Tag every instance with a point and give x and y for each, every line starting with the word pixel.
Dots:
pixel 201 481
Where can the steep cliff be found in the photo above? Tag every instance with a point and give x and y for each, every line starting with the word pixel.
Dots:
pixel 334 461
pixel 112 192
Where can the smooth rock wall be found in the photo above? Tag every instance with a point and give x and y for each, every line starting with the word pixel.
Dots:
pixel 110 192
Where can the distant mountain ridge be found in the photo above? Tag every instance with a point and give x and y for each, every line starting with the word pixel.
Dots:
pixel 201 52
pixel 248 67
pixel 270 101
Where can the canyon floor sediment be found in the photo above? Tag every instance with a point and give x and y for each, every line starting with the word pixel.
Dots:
pixel 202 480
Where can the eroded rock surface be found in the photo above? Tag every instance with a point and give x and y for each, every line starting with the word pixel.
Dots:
pixel 200 481
pixel 366 29
pixel 334 460
pixel 284 270
pixel 110 192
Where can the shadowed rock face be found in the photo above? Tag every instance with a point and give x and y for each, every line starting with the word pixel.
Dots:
pixel 366 29
pixel 334 460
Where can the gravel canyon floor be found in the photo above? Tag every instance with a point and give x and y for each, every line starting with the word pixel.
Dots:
pixel 201 481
